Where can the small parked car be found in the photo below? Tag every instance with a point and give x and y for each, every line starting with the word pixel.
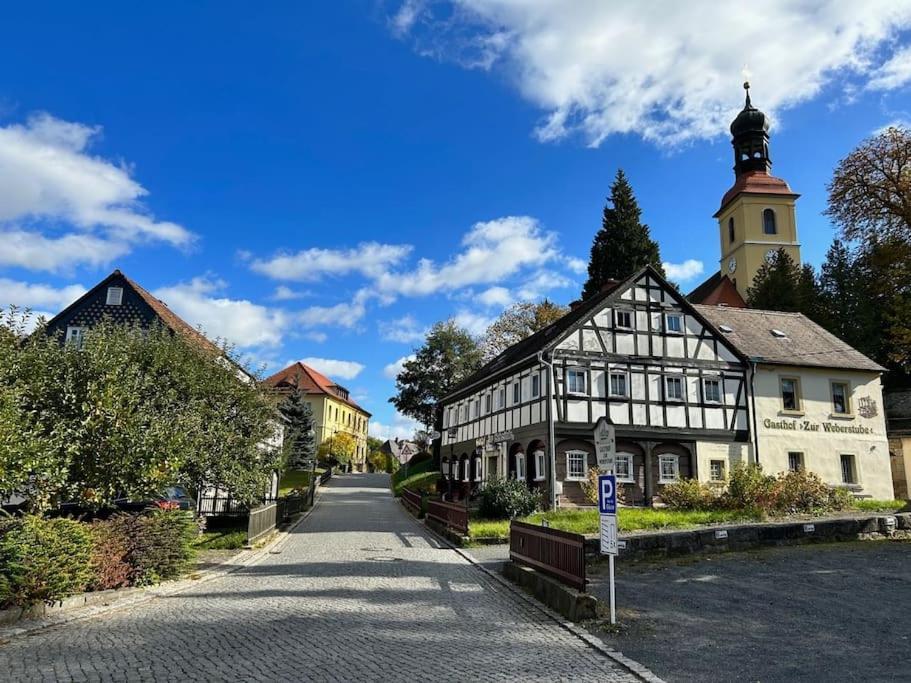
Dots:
pixel 171 498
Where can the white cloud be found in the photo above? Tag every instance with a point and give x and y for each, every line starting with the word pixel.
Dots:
pixel 405 330
pixel 48 176
pixel 239 321
pixel 474 323
pixel 32 250
pixel 493 251
pixel 540 283
pixel 402 427
pixel 392 370
pixel 666 71
pixel 340 369
pixel 899 122
pixel 318 337
pixel 343 314
pixel 495 296
pixel 577 265
pixel 409 12
pixel 683 271
pixel 28 295
pixel 894 73
pixel 368 258
pixel 284 293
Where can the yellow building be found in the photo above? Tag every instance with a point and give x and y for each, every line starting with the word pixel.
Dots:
pixel 334 411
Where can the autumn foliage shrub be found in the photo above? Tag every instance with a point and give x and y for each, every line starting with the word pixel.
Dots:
pixel 110 557
pixel 690 494
pixel 159 545
pixel 44 560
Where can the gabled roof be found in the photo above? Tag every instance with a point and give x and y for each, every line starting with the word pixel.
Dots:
pixel 311 381
pixel 796 339
pixel 717 289
pixel 898 411
pixel 168 318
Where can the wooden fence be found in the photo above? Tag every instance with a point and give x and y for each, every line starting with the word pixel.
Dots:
pixel 413 501
pixel 450 515
pixel 559 554
pixel 262 520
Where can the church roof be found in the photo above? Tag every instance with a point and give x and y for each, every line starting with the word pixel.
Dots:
pixel 756 182
pixel 784 339
pixel 717 290
pixel 311 381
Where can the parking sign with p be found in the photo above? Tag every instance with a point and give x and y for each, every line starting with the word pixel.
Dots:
pixel 607 494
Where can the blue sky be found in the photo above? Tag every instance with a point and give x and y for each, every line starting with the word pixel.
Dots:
pixel 325 180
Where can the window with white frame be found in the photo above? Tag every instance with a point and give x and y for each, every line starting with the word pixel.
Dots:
pixel 475 408
pixel 668 468
pixel 520 465
pixel 451 413
pixel 618 384
pixel 673 322
pixel 540 467
pixel 576 465
pixel 465 413
pixel 115 296
pixel 501 403
pixel 444 466
pixel 624 320
pixel 535 385
pixel 75 335
pixel 795 461
pixel 623 464
pixel 517 393
pixel 466 469
pixel 477 469
pixel 487 403
pixel 716 470
pixel 673 388
pixel 711 390
pixel 840 405
pixel 576 381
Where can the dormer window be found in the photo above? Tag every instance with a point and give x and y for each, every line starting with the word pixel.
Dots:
pixel 115 296
pixel 768 222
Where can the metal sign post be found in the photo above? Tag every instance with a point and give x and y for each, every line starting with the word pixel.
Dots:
pixel 607 506
pixel 605 445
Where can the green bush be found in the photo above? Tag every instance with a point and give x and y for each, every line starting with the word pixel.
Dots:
pixel 420 464
pixel 44 560
pixel 750 487
pixel 801 492
pixel 110 557
pixel 422 482
pixel 507 499
pixel 689 494
pixel 160 544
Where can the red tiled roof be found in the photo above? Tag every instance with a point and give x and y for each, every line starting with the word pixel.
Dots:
pixel 756 182
pixel 717 290
pixel 310 381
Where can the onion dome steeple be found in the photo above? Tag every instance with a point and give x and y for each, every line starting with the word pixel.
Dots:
pixel 750 132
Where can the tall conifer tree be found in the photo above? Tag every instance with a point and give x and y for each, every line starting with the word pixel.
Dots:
pixel 623 245
pixel 301 443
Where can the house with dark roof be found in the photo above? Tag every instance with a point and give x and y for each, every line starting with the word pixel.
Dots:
pixel 816 403
pixel 636 353
pixel 334 411
pixel 898 420
pixel 690 389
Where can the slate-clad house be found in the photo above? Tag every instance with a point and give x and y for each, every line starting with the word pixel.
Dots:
pixel 639 354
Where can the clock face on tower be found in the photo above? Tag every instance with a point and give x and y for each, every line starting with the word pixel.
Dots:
pixel 732 264
pixel 770 255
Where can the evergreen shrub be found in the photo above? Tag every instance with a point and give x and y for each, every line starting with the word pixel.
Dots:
pixel 507 499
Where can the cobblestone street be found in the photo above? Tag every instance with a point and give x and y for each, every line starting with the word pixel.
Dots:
pixel 359 592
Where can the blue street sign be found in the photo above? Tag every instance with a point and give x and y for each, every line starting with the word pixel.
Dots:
pixel 607 494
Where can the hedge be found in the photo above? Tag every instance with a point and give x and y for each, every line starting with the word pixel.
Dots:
pixel 46 560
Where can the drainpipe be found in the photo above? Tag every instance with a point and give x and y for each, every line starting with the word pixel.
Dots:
pixel 551 437
pixel 753 403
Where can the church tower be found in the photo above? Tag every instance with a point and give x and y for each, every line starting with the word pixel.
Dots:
pixel 757 215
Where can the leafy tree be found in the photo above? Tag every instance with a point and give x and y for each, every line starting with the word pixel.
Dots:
pixel 130 412
pixel 300 442
pixel 623 245
pixel 870 191
pixel 339 447
pixel 449 355
pixel 518 322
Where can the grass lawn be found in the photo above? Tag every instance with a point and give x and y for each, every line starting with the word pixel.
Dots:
pixel 882 505
pixel 230 538
pixel 296 479
pixel 421 475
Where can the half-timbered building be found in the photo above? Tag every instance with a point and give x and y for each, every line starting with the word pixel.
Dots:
pixel 637 353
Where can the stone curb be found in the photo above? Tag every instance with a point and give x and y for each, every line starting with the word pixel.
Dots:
pixel 592 641
pixel 133 596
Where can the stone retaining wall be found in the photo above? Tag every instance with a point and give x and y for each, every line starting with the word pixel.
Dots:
pixel 662 544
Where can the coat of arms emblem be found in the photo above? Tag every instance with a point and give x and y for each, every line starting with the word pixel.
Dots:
pixel 866 407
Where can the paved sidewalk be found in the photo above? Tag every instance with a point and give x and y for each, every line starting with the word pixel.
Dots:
pixel 359 592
